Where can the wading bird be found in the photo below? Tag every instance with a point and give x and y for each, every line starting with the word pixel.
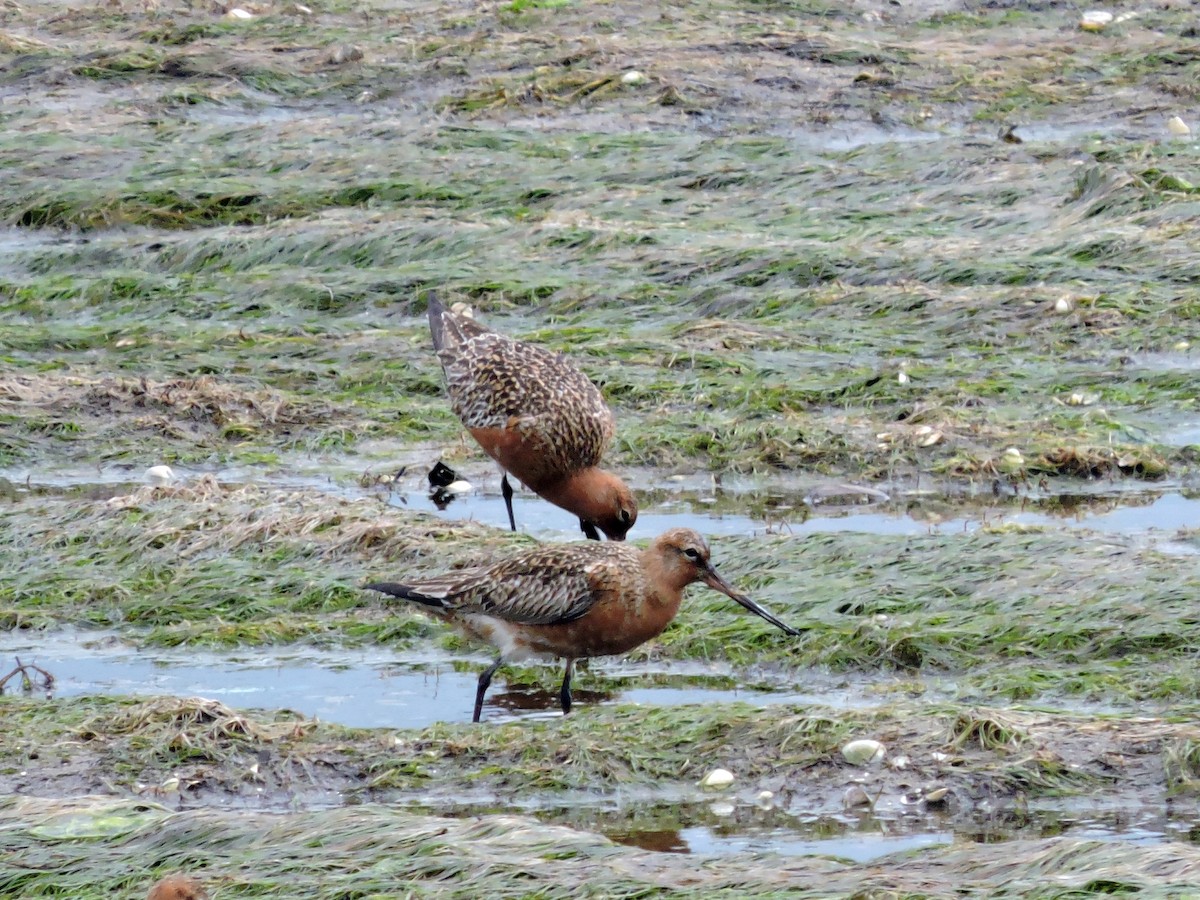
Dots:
pixel 538 416
pixel 573 601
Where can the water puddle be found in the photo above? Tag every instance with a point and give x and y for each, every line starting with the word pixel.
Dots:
pixel 1184 435
pixel 866 838
pixel 796 514
pixel 702 840
pixel 372 688
pixel 757 509
pixel 1166 361
pixel 855 135
pixel 732 826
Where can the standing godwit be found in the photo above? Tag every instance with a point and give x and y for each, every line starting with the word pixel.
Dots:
pixel 538 416
pixel 572 600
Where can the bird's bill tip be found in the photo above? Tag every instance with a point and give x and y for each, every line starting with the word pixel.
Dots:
pixel 715 581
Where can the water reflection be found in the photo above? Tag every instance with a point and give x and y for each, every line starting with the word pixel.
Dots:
pixel 744 508
pixel 694 829
pixel 369 688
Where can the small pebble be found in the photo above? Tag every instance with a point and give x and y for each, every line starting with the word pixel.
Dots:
pixel 160 475
pixel 1095 20
pixel 928 440
pixel 1178 127
pixel 459 487
pixel 344 53
pixel 863 752
pixel 936 794
pixel 717 780
pixel 1063 305
pixel 238 13
pixel 855 796
pixel 633 76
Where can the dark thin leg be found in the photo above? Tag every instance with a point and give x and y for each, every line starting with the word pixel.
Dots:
pixel 485 678
pixel 506 490
pixel 565 694
pixel 590 530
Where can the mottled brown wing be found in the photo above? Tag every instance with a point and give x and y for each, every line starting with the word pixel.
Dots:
pixel 493 380
pixel 547 586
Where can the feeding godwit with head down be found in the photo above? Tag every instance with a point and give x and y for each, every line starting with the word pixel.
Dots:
pixel 538 416
pixel 573 601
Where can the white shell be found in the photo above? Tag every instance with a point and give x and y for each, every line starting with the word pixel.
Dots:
pixel 936 794
pixel 238 13
pixel 160 475
pixel 722 809
pixel 855 796
pixel 902 377
pixel 633 76
pixel 1182 345
pixel 1063 305
pixel 1012 461
pixel 1095 20
pixel 863 752
pixel 717 780
pixel 1178 127
pixel 458 487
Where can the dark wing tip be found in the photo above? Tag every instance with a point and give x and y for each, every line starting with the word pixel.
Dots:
pixel 388 587
pixel 437 314
pixel 404 592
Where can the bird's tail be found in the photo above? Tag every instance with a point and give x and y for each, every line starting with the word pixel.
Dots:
pixel 451 327
pixel 405 592
pixel 437 320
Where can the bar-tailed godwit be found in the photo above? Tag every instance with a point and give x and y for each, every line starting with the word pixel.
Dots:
pixel 538 416
pixel 573 601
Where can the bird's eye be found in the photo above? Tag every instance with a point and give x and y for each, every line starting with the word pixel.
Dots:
pixel 692 553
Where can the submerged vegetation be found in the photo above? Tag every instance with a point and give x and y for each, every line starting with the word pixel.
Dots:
pixel 925 246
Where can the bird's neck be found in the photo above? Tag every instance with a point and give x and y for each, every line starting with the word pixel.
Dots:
pixel 583 493
pixel 666 582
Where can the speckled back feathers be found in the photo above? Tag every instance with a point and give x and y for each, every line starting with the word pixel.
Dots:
pixel 552 584
pixel 495 381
